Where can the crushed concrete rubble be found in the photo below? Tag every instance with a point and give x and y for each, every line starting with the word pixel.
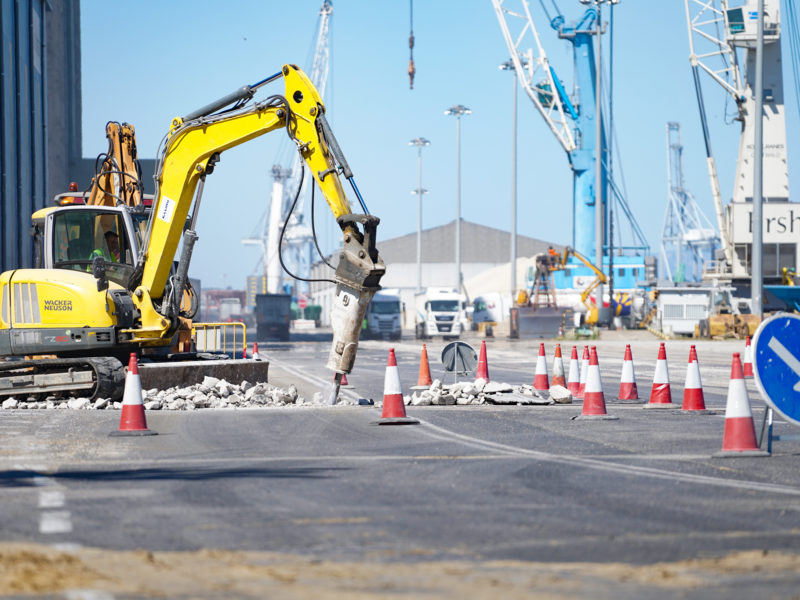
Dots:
pixel 211 393
pixel 481 391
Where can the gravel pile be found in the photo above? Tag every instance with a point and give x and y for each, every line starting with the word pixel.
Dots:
pixel 211 393
pixel 481 391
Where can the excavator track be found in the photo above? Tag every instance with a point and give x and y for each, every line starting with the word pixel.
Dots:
pixel 97 377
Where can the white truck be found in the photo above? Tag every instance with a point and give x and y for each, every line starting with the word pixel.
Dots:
pixel 490 307
pixel 439 311
pixel 385 315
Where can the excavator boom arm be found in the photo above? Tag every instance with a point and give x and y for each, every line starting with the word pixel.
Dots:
pixel 600 276
pixel 191 144
pixel 118 182
pixel 191 150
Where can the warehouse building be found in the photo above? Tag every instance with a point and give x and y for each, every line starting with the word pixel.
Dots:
pixel 485 263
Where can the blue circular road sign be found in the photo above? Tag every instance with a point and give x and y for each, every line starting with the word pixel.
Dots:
pixel 776 364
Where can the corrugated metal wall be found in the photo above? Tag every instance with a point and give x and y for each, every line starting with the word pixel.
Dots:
pixel 22 160
pixel 29 150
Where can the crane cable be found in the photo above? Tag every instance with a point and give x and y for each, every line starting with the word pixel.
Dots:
pixel 411 69
pixel 794 47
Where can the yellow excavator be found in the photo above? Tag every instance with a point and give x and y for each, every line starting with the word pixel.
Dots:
pixel 90 304
pixel 542 282
pixel 600 278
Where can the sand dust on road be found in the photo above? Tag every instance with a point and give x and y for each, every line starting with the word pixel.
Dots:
pixel 39 569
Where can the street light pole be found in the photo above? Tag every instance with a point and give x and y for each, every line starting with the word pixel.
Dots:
pixel 457 111
pixel 757 266
pixel 420 143
pixel 509 66
pixel 599 209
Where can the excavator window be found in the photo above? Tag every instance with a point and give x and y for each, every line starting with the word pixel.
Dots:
pixel 81 235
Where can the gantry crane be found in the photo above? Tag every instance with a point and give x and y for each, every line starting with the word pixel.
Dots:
pixel 722 37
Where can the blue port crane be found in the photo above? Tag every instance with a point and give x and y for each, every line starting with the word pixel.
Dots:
pixel 573 121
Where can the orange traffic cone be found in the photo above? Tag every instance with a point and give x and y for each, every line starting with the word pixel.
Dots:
pixel 584 372
pixel 558 369
pixel 661 395
pixel 255 351
pixel 394 409
pixel 748 359
pixel 132 421
pixel 693 400
pixel 483 368
pixel 424 379
pixel 628 392
pixel 540 379
pixel 574 379
pixel 739 436
pixel 594 402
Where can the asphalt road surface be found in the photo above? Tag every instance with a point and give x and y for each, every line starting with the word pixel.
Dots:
pixel 476 501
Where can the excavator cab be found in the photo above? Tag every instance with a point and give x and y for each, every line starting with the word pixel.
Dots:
pixel 71 237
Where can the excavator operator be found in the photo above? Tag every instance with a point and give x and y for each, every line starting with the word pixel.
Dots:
pixel 111 251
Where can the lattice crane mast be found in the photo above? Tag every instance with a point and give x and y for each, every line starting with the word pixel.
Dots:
pixel 298 238
pixel 720 34
pixel 688 239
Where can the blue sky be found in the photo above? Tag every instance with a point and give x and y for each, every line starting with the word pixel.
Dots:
pixel 148 61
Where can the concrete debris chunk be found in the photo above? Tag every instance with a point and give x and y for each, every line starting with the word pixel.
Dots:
pixel 560 395
pixel 496 387
pixel 78 403
pixel 421 399
pixel 208 384
pixel 517 399
pixel 198 400
pixel 292 392
pixel 535 396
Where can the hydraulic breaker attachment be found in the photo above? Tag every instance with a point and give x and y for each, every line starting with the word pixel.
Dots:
pixel 357 279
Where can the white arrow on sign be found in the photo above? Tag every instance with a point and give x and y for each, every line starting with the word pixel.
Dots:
pixel 786 357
